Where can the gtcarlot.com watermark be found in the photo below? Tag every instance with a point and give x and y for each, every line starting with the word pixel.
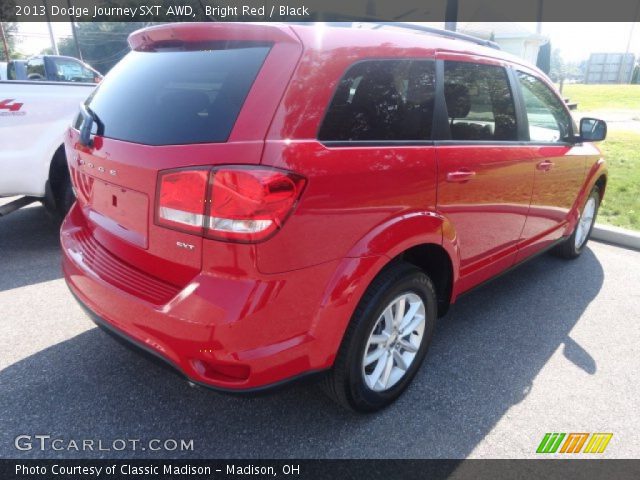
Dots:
pixel 47 443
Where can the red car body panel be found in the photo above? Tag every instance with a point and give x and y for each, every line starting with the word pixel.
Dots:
pixel 241 316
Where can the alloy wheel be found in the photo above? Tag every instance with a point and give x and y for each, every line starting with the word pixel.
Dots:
pixel 394 342
pixel 584 224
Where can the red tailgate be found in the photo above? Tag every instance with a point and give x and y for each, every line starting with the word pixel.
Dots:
pixel 187 96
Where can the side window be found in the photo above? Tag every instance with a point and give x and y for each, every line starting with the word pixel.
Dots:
pixel 11 71
pixel 548 120
pixel 479 102
pixel 35 69
pixel 67 70
pixel 382 100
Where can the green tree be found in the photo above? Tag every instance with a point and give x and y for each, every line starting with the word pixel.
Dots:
pixel 103 44
pixel 10 31
pixel 544 58
pixel 635 77
pixel 557 70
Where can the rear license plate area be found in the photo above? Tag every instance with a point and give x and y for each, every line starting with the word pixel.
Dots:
pixel 120 211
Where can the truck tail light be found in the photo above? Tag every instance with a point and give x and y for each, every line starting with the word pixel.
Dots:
pixel 236 204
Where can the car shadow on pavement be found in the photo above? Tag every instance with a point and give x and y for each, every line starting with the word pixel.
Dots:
pixel 485 356
pixel 29 248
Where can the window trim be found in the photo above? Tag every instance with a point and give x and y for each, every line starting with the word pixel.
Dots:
pixel 562 142
pixel 378 143
pixel 521 112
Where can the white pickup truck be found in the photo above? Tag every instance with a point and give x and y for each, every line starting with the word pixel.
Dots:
pixel 34 117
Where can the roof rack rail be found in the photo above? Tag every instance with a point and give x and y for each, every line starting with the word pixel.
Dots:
pixel 440 32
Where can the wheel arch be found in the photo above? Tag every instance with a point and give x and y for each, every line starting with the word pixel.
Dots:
pixel 423 238
pixel 435 261
pixel 601 183
pixel 596 176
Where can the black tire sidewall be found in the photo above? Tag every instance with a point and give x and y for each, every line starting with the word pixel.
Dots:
pixel 360 395
pixel 64 196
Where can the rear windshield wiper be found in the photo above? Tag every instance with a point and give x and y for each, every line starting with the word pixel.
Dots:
pixel 89 117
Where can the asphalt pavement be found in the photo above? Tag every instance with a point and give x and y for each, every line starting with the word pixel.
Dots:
pixel 549 347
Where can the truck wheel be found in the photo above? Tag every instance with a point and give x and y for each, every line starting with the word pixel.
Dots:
pixel 59 195
pixel 573 246
pixel 64 196
pixel 386 341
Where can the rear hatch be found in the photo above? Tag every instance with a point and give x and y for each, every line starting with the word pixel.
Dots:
pixel 188 95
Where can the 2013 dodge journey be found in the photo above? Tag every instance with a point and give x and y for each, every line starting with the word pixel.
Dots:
pixel 256 203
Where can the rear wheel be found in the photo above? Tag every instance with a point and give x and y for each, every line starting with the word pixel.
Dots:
pixel 60 196
pixel 573 246
pixel 64 196
pixel 386 341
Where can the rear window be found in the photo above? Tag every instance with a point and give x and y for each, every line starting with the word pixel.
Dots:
pixel 175 96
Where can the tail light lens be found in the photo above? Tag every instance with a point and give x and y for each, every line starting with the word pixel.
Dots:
pixel 227 203
pixel 181 199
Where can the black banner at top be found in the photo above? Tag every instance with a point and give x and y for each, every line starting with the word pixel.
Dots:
pixel 321 10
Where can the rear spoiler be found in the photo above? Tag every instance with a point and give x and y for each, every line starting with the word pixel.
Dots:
pixel 147 39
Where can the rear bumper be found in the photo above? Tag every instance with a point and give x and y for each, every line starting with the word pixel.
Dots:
pixel 230 334
pixel 154 356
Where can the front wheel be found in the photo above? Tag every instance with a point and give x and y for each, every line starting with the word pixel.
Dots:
pixel 386 341
pixel 573 246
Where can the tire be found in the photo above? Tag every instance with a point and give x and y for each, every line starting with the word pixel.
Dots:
pixel 60 197
pixel 348 382
pixel 573 246
pixel 64 195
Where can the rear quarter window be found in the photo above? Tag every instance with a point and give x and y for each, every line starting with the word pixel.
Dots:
pixel 176 96
pixel 382 100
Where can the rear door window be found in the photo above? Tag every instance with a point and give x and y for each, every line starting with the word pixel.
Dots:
pixel 11 71
pixel 547 117
pixel 175 96
pixel 479 102
pixel 382 100
pixel 35 70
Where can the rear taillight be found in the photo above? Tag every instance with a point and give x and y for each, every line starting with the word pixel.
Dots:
pixel 182 199
pixel 227 203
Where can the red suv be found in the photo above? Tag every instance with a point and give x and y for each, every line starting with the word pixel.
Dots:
pixel 257 203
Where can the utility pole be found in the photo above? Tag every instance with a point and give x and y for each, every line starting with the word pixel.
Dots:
pixel 54 46
pixel 451 15
pixel 5 45
pixel 74 32
pixel 539 17
pixel 621 78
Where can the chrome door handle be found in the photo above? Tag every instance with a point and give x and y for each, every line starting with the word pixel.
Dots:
pixel 460 176
pixel 545 165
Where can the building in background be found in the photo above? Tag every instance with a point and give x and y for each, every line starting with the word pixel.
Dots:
pixel 609 68
pixel 512 37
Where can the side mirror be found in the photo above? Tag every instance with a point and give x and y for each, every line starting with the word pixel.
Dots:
pixel 592 130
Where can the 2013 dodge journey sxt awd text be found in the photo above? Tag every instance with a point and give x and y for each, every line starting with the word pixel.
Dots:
pixel 256 203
